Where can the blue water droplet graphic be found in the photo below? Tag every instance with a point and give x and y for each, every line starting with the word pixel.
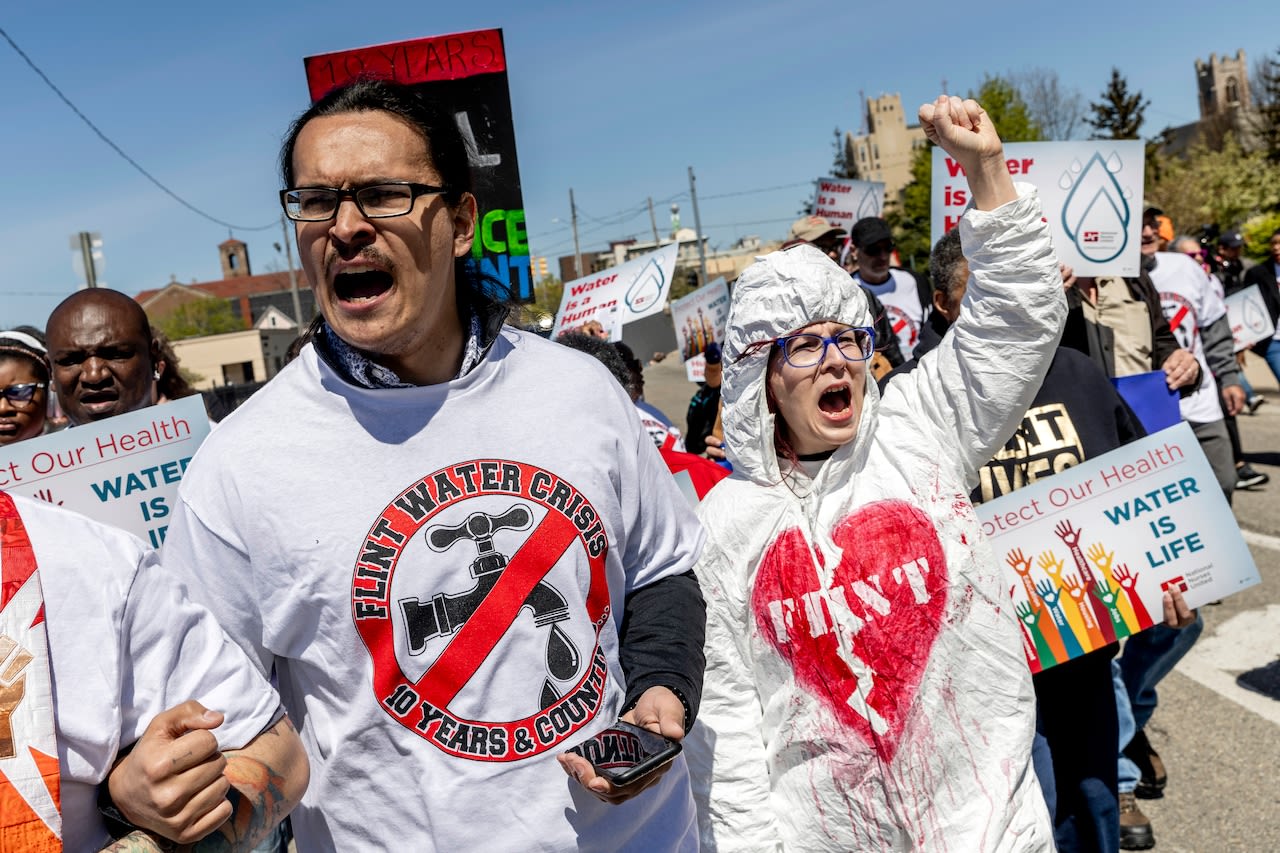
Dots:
pixel 1065 181
pixel 1096 213
pixel 869 204
pixel 646 287
pixel 1114 165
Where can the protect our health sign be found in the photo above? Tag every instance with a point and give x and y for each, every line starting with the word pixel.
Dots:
pixel 122 471
pixel 700 319
pixel 1091 193
pixel 1090 551
pixel 843 201
pixel 465 73
pixel 618 295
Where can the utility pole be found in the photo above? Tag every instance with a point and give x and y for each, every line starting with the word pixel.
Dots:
pixel 577 253
pixel 653 223
pixel 84 246
pixel 697 225
pixel 293 275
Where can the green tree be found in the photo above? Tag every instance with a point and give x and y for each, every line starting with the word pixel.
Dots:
pixel 910 220
pixel 843 164
pixel 1120 113
pixel 199 318
pixel 1228 187
pixel 1007 109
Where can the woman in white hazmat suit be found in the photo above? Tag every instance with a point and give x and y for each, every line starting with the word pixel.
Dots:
pixel 866 687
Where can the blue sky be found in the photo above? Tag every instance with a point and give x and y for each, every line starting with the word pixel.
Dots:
pixel 614 100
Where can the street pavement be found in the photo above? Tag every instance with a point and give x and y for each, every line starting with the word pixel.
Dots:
pixel 1220 741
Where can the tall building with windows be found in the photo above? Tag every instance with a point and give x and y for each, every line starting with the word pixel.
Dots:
pixel 884 152
pixel 1226 106
pixel 1223 83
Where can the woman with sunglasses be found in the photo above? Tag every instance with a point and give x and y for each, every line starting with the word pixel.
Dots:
pixel 24 385
pixel 865 687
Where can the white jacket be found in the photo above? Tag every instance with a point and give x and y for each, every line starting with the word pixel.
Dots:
pixel 866 688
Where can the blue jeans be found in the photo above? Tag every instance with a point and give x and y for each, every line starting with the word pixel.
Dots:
pixel 1249 393
pixel 1272 356
pixel 1146 659
pixel 1127 773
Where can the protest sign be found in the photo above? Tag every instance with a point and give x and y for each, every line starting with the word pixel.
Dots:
pixel 842 201
pixel 1150 398
pixel 618 295
pixel 1091 194
pixel 1089 551
pixel 1249 318
pixel 466 73
pixel 699 319
pixel 122 471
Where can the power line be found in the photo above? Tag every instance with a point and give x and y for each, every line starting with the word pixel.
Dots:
pixel 753 222
pixel 118 150
pixel 761 190
pixel 628 213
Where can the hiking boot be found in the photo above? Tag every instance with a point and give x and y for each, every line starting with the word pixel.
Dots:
pixel 1154 777
pixel 1254 402
pixel 1247 477
pixel 1135 829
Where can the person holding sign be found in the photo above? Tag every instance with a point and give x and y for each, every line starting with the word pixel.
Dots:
pixel 866 687
pixel 473 558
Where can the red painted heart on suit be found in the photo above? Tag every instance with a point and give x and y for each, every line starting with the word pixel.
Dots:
pixel 892 579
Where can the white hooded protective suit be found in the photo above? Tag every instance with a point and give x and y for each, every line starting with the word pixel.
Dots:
pixel 866 688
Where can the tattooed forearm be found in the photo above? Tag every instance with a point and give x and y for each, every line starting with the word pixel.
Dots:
pixel 267 780
pixel 134 842
pixel 258 803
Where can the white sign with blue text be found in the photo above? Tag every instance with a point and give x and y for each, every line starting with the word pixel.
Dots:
pixel 1091 193
pixel 1089 552
pixel 123 471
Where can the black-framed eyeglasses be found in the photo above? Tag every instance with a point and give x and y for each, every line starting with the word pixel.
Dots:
pixel 22 392
pixel 376 201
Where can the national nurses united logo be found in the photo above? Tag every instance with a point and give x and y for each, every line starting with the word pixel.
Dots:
pixel 480 593
pixel 1096 211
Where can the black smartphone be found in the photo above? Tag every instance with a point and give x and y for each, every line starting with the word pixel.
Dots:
pixel 624 753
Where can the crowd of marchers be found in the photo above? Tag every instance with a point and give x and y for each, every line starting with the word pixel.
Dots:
pixel 483 549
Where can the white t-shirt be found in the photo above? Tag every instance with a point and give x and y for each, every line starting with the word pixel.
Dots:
pixel 124 645
pixel 901 300
pixel 1190 302
pixel 355 560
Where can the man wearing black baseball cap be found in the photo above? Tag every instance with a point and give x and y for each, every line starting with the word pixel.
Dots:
pixel 904 294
